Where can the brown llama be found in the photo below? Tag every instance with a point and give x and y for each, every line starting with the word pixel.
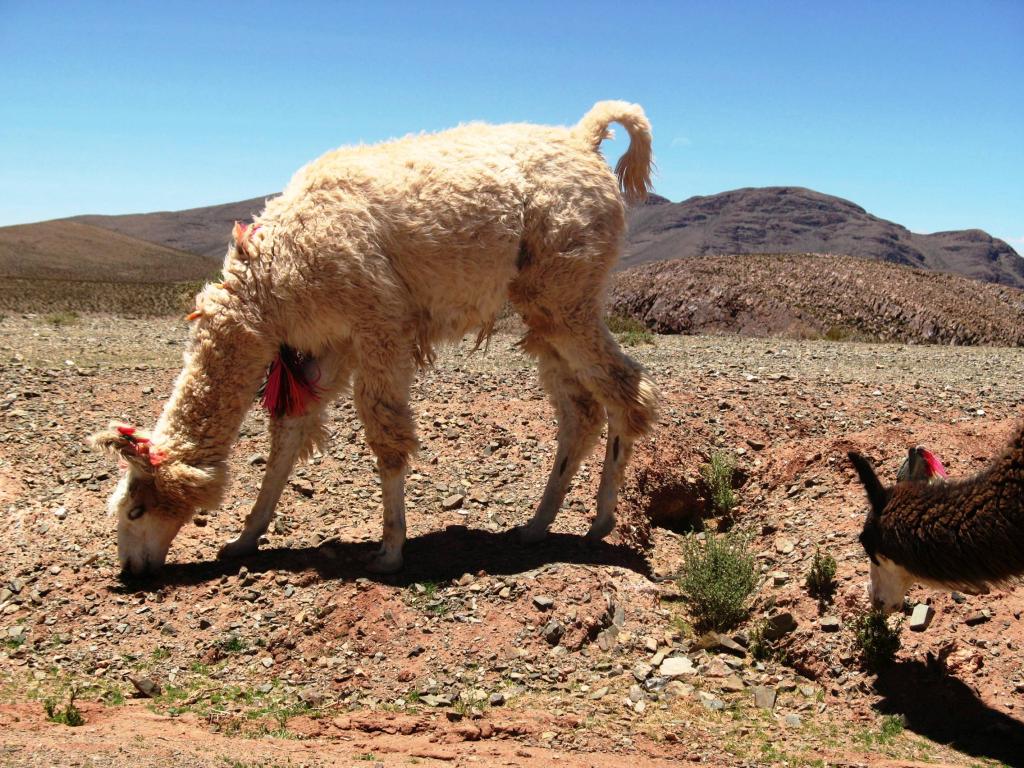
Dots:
pixel 965 535
pixel 370 257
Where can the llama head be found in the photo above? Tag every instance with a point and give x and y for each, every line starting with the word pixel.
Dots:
pixel 154 498
pixel 889 580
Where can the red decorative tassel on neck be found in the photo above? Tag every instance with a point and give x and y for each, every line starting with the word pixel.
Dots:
pixel 289 390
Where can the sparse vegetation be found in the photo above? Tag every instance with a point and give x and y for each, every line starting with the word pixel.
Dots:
pixel 60 319
pixel 763 649
pixel 718 475
pixel 717 578
pixel 629 331
pixel 68 715
pixel 231 644
pixel 876 638
pixel 821 578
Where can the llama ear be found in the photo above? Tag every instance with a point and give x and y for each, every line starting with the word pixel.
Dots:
pixel 876 493
pixel 127 443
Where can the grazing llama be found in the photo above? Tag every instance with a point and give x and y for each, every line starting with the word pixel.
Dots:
pixel 966 535
pixel 370 257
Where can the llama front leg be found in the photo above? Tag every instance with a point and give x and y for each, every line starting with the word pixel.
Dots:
pixel 291 438
pixel 382 402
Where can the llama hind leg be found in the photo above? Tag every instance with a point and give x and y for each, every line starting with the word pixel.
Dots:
pixel 580 418
pixel 382 402
pixel 630 398
pixel 291 438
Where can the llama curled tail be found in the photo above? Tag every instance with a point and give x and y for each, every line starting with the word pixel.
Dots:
pixel 634 168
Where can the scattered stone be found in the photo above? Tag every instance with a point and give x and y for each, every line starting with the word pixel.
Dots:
pixel 784 546
pixel 792 720
pixel 830 623
pixel 779 578
pixel 149 688
pixel 676 666
pixel 303 486
pixel 733 683
pixel 544 602
pixel 757 445
pixel 608 639
pixel 641 671
pixel 496 699
pixel 778 625
pixel 764 697
pixel 711 702
pixel 553 631
pixel 452 502
pixel 978 617
pixel 921 617
pixel 257 460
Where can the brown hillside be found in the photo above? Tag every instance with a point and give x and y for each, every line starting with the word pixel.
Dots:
pixel 204 231
pixel 798 220
pixel 66 250
pixel 818 295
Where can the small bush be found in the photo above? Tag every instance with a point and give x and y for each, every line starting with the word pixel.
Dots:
pixel 718 475
pixel 821 578
pixel 629 331
pixel 69 715
pixel 877 640
pixel 718 576
pixel 61 319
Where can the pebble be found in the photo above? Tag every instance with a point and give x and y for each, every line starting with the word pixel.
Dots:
pixel 784 546
pixel 676 666
pixel 921 617
pixel 792 720
pixel 544 602
pixel 830 624
pixel 764 697
pixel 779 578
pixel 553 631
pixel 711 702
pixel 978 617
pixel 496 699
pixel 452 502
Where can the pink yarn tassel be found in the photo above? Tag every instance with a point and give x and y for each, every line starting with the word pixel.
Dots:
pixel 288 390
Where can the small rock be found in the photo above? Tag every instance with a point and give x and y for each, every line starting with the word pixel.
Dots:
pixel 978 617
pixel 830 624
pixel 304 487
pixel 778 625
pixel 60 513
pixel 150 689
pixel 757 445
pixel 676 666
pixel 779 578
pixel 792 720
pixel 733 683
pixel 921 617
pixel 711 702
pixel 544 602
pixel 553 631
pixel 452 502
pixel 784 546
pixel 641 671
pixel 257 459
pixel 764 697
pixel 636 694
pixel 496 699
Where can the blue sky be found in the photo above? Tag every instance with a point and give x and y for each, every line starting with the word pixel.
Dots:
pixel 914 110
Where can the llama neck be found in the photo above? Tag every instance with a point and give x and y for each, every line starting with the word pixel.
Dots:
pixel 224 366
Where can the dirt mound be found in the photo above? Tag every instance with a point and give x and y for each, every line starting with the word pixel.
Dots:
pixel 815 296
pixel 798 220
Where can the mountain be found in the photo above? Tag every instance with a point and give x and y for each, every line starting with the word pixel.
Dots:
pixel 70 250
pixel 798 220
pixel 817 295
pixel 205 231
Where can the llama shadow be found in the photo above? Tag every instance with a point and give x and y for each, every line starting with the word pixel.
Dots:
pixel 435 556
pixel 940 707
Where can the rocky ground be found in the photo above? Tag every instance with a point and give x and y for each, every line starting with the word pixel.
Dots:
pixel 484 652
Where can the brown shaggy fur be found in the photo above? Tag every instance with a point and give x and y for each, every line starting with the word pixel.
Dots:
pixel 966 534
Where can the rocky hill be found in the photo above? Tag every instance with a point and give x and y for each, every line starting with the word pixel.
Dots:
pixel 818 295
pixel 798 220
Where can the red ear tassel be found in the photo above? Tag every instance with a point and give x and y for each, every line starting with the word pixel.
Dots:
pixel 288 390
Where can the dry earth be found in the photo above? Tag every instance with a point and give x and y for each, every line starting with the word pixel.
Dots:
pixel 297 657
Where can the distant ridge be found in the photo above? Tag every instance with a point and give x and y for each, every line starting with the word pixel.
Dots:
pixel 799 220
pixel 204 231
pixel 70 250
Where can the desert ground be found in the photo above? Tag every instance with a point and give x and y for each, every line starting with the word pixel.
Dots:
pixel 482 651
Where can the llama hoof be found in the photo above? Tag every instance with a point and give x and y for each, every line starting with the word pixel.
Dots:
pixel 531 534
pixel 382 563
pixel 238 548
pixel 599 529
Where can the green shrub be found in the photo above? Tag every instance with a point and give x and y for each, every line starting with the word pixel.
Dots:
pixel 60 319
pixel 821 578
pixel 629 331
pixel 877 640
pixel 69 715
pixel 718 476
pixel 717 578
